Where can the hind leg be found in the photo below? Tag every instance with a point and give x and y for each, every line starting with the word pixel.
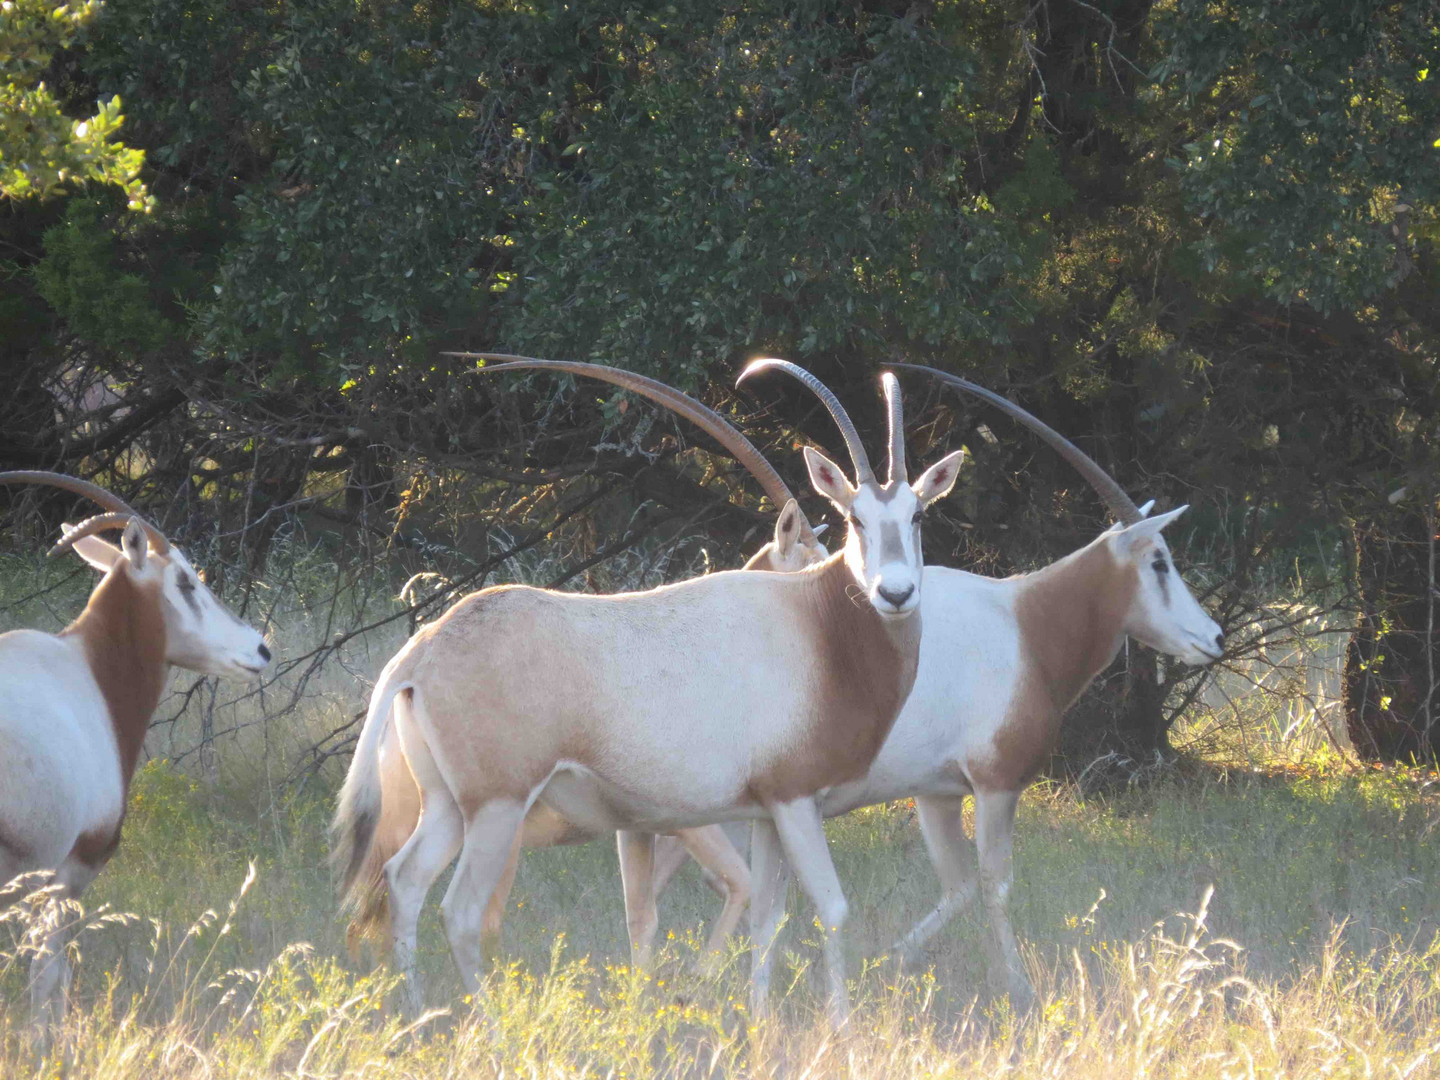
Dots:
pixel 713 850
pixel 494 915
pixel 489 838
pixel 414 868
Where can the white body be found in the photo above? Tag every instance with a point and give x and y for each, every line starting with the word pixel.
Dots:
pixel 74 709
pixel 735 695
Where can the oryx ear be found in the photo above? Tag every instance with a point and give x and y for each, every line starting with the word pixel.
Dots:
pixel 1144 511
pixel 135 545
pixel 1148 528
pixel 828 480
pixel 936 481
pixel 101 554
pixel 787 530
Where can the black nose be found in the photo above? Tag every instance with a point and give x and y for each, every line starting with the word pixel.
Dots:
pixel 1220 641
pixel 264 652
pixel 895 599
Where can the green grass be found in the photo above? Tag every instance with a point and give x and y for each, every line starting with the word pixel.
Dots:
pixel 1324 882
pixel 1310 948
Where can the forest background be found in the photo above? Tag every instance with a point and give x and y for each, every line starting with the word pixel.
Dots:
pixel 1199 238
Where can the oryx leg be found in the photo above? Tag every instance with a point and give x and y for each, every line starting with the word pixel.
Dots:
pixel 50 971
pixel 489 838
pixel 994 833
pixel 712 849
pixel 670 856
pixel 637 878
pixel 413 869
pixel 494 917
pixel 769 877
pixel 802 835
pixel 953 856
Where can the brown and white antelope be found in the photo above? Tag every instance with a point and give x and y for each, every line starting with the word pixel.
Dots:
pixel 75 706
pixel 1000 663
pixel 734 695
pixel 794 546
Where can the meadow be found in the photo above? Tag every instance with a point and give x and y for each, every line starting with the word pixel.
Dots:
pixel 1266 908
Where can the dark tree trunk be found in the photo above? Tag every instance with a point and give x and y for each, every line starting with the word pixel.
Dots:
pixel 1120 713
pixel 1391 661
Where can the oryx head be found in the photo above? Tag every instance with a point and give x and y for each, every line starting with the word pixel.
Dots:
pixel 199 632
pixel 882 548
pixel 1162 613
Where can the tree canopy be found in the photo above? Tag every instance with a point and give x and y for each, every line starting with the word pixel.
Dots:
pixel 1199 236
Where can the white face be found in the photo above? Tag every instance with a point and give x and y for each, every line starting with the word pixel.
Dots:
pixel 1164 614
pixel 883 546
pixel 200 633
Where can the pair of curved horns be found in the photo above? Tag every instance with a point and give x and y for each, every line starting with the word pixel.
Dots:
pixel 1120 504
pixel 863 472
pixel 119 512
pixel 741 448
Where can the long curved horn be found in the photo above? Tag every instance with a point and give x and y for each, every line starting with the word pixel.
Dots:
pixel 725 433
pixel 92 525
pixel 1120 504
pixel 95 493
pixel 896 411
pixel 863 472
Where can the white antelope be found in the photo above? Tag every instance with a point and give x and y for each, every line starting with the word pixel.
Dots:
pixel 795 545
pixel 1000 663
pixel 734 695
pixel 75 706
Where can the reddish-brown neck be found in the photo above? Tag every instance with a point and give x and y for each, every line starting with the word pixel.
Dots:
pixel 1071 616
pixel 124 638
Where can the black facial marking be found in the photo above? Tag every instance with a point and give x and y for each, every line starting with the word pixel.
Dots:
pixel 186 585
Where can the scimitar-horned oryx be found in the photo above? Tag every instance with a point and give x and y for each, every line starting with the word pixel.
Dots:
pixel 75 706
pixel 795 545
pixel 1000 663
pixel 737 694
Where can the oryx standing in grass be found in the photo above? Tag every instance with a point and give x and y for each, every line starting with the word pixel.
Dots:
pixel 794 546
pixel 1000 663
pixel 75 706
pixel 733 695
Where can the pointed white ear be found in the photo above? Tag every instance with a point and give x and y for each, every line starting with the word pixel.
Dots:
pixel 819 530
pixel 787 530
pixel 135 545
pixel 101 554
pixel 1149 527
pixel 828 480
pixel 1145 510
pixel 936 481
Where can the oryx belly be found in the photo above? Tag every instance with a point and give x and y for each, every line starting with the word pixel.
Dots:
pixel 61 776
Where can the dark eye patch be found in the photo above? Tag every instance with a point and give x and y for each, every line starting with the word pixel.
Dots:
pixel 1161 567
pixel 918 515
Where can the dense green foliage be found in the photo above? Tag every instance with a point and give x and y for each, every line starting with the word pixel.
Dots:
pixel 1199 236
pixel 40 147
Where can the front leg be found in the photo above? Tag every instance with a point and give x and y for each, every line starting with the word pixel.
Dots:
pixel 769 878
pixel 953 856
pixel 802 833
pixel 994 834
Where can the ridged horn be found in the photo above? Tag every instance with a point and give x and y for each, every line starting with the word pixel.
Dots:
pixel 725 433
pixel 863 472
pixel 95 493
pixel 896 411
pixel 1120 504
pixel 112 519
